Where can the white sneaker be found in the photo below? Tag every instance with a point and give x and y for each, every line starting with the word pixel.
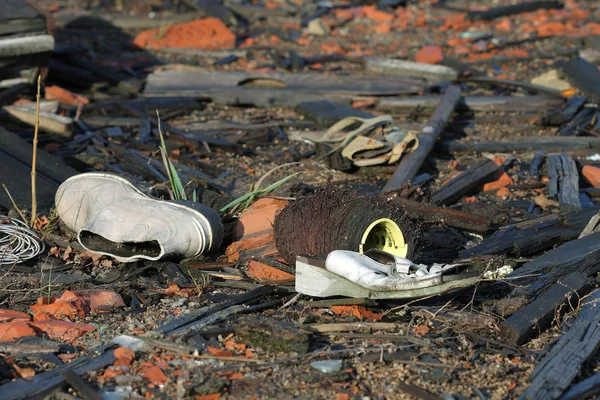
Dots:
pixel 351 274
pixel 114 218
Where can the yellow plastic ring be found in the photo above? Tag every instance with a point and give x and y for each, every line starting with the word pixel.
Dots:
pixel 384 234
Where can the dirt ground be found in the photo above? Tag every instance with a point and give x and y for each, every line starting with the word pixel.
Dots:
pixel 442 347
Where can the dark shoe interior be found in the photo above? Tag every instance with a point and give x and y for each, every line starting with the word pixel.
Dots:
pixel 96 242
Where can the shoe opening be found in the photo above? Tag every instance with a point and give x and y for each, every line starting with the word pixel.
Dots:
pixel 95 242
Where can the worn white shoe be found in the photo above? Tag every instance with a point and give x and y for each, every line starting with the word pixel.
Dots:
pixel 114 218
pixel 378 275
pixel 387 272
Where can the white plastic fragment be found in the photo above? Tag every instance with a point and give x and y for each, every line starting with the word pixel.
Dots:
pixel 130 342
pixel 327 366
pixel 593 157
pixel 498 273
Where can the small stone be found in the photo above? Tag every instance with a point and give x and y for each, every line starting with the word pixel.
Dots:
pixel 552 79
pixel 318 28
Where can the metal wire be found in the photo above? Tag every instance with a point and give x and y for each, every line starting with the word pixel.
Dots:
pixel 18 242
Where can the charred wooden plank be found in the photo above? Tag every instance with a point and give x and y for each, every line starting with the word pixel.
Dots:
pixel 15 172
pixel 566 112
pixel 412 162
pixel 578 125
pixel 465 183
pixel 513 9
pixel 564 181
pixel 585 389
pixel 555 372
pixel 581 255
pixel 536 164
pixel 474 103
pixel 524 143
pixel 454 218
pixel 186 83
pixel 42 384
pixel 524 85
pixel 583 75
pixel 541 234
pixel 82 387
pixel 10 94
pixel 393 67
pixel 128 85
pixel 181 322
pixel 537 316
pixel 192 136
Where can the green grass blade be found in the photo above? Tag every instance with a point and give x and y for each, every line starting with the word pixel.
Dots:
pixel 257 193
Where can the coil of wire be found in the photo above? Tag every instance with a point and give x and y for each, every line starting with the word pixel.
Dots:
pixel 18 242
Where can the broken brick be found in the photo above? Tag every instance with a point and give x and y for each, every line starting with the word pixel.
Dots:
pixel 64 96
pixel 258 218
pixel 95 299
pixel 505 193
pixel 430 55
pixel 505 25
pixel 9 331
pixel 207 33
pixel 262 272
pixel 356 311
pixel 56 309
pixel 382 28
pixel 154 375
pixel 592 175
pixel 372 13
pixel 503 181
pixel 124 357
pixel 10 315
pixel 63 330
pixel 218 352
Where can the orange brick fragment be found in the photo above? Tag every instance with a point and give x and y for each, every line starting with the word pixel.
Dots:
pixel 218 352
pixel 592 175
pixel 64 96
pixel 258 218
pixel 10 315
pixel 63 330
pixel 505 193
pixel 382 28
pixel 356 311
pixel 430 55
pixel 263 272
pixel 501 182
pixel 214 396
pixel 331 48
pixel 9 331
pixel 75 303
pixel 154 375
pixel 505 25
pixel 233 345
pixel 124 357
pixel 551 28
pixel 57 309
pixel 372 13
pixel 95 299
pixel 207 33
